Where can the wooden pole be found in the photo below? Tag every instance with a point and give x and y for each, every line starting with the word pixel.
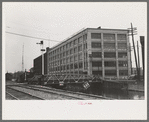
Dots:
pixel 134 48
pixel 138 62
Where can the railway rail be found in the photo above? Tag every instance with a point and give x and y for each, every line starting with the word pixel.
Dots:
pixel 9 96
pixel 62 93
pixel 14 94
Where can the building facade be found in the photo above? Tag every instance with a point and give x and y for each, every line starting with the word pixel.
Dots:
pixel 38 64
pixel 93 51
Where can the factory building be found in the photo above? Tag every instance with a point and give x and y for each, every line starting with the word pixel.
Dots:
pixel 92 51
pixel 38 64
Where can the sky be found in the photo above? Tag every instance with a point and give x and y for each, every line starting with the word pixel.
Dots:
pixel 55 21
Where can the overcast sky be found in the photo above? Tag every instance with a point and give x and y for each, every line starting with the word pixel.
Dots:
pixel 57 21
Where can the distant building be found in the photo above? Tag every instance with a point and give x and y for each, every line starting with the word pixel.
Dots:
pixel 8 76
pixel 38 64
pixel 92 51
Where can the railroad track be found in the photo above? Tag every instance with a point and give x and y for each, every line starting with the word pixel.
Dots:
pixel 45 94
pixel 84 95
pixel 9 96
pixel 14 94
pixel 64 93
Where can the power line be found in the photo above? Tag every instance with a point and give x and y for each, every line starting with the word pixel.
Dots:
pixel 30 36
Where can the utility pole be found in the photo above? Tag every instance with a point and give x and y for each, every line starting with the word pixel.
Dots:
pixel 142 45
pixel 138 62
pixel 25 74
pixel 132 33
pixel 130 57
pixel 23 58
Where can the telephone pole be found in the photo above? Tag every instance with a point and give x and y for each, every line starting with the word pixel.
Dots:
pixel 138 62
pixel 132 34
pixel 23 57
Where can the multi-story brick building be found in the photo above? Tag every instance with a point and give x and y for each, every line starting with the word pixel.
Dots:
pixel 93 51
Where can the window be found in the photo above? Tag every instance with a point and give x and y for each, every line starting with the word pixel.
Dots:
pixel 67 61
pixel 60 61
pixel 75 42
pixel 80 56
pixel 64 67
pixel 109 45
pixel 71 66
pixel 61 49
pixel 70 51
pixel 96 45
pixel 122 54
pixel 63 54
pixel 108 36
pixel 80 40
pixel 80 65
pixel 109 54
pixel 96 54
pixel 75 57
pixel 97 73
pixel 122 45
pixel 64 47
pixel 64 61
pixel 110 72
pixel 123 72
pixel 96 64
pixel 70 44
pixel 80 48
pixel 96 35
pixel 71 59
pixel 75 49
pixel 85 37
pixel 122 63
pixel 67 66
pixel 76 65
pixel 121 36
pixel 84 46
pixel 110 64
pixel 67 45
pixel 67 53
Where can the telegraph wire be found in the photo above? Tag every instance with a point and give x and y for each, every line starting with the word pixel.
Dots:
pixel 30 36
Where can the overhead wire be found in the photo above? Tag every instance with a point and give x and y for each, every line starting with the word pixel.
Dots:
pixel 30 36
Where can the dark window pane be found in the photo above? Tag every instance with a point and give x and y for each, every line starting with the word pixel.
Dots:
pixel 96 35
pixel 96 45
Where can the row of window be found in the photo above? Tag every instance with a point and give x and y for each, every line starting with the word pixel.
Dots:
pixel 107 72
pixel 109 45
pixel 69 52
pixel 108 36
pixel 69 66
pixel 94 64
pixel 111 73
pixel 109 54
pixel 76 57
pixel 109 63
pixel 70 44
pixel 68 59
